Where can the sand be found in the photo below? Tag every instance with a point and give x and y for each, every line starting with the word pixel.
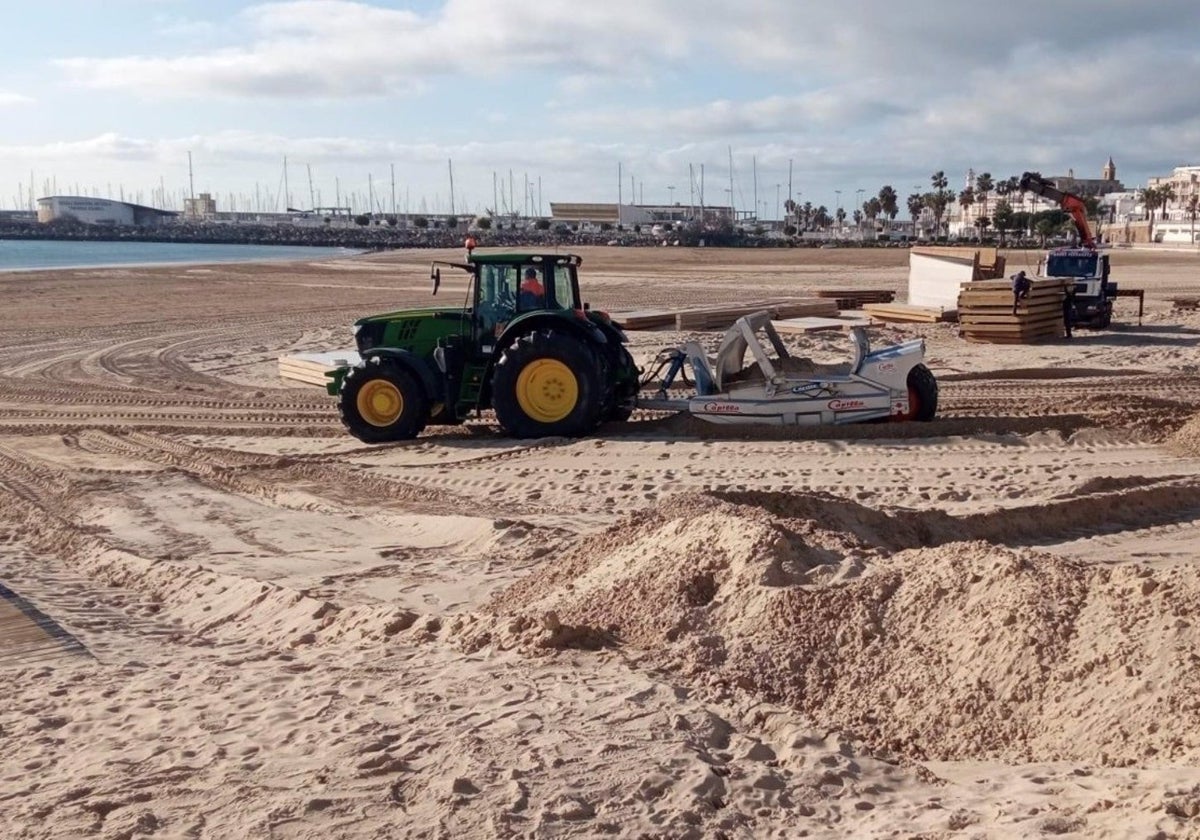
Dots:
pixel 221 616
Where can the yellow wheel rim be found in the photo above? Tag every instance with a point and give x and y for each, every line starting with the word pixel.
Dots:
pixel 380 403
pixel 547 390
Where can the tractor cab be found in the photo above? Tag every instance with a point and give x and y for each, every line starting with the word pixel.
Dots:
pixel 510 288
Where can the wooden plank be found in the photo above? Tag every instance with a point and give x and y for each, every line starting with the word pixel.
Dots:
pixel 1011 329
pixel 1006 285
pixel 809 325
pixel 644 319
pixel 856 293
pixel 1016 320
pixel 310 368
pixel 1034 339
pixel 904 312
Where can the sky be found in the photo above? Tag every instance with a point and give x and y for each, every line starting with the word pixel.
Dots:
pixel 377 103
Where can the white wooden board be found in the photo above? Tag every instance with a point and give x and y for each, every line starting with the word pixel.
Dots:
pixel 936 281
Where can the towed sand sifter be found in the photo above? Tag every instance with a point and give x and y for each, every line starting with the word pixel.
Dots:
pixel 888 384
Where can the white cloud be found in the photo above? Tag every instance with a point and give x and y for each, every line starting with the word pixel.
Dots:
pixel 9 98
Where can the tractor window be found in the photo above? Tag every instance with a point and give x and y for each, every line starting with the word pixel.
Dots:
pixel 497 296
pixel 532 291
pixel 564 294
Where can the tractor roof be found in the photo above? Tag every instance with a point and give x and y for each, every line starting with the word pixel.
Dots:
pixel 509 258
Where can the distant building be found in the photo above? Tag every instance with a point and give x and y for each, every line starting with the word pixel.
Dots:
pixel 202 206
pixel 1105 184
pixel 1185 185
pixel 597 214
pixel 99 211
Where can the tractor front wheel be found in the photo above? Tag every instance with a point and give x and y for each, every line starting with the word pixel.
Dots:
pixel 381 402
pixel 922 395
pixel 547 384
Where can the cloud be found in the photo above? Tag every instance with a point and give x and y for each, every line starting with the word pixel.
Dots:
pixel 9 98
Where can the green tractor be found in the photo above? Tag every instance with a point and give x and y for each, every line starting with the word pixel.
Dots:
pixel 523 345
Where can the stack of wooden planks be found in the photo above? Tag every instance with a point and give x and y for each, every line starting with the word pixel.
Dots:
pixel 311 368
pixel 720 317
pixel 906 313
pixel 985 312
pixel 855 298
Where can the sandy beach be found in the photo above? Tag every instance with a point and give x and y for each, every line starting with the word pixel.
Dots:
pixel 223 617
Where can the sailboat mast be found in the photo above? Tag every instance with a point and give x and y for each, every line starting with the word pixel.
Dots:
pixel 732 212
pixel 754 169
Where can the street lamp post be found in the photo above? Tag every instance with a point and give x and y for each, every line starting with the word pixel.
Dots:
pixel 671 192
pixel 916 191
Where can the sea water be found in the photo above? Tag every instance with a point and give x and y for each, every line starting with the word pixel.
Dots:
pixel 35 254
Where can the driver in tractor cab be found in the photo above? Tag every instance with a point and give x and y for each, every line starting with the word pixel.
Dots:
pixel 532 295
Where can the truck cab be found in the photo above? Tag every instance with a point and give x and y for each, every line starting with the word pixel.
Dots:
pixel 1089 269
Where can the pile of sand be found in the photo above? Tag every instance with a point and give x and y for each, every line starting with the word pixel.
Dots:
pixel 964 650
pixel 1186 441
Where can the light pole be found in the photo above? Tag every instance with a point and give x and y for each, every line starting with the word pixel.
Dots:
pixel 777 187
pixel 917 192
pixel 671 192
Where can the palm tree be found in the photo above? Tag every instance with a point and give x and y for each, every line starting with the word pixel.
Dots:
pixel 940 197
pixel 1151 200
pixel 965 199
pixel 1191 207
pixel 1003 218
pixel 915 205
pixel 889 202
pixel 984 185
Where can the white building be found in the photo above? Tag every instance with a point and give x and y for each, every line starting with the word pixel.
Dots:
pixel 99 211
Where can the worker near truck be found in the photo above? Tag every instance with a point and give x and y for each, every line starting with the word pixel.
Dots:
pixel 1068 308
pixel 1021 285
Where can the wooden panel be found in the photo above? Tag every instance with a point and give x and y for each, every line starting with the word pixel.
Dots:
pixel 904 312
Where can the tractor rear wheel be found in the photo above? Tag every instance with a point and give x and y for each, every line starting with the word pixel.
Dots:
pixel 618 401
pixel 922 395
pixel 547 384
pixel 380 402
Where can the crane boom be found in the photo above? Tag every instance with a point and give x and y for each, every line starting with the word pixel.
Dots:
pixel 1071 203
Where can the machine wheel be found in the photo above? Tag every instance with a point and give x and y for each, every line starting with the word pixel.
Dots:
pixel 922 396
pixel 547 383
pixel 381 402
pixel 617 406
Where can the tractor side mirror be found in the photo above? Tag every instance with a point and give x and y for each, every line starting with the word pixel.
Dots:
pixel 436 276
pixel 586 306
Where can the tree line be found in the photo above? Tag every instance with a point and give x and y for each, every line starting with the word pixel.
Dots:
pixel 1001 216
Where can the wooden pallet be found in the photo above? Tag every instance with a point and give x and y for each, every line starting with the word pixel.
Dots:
pixel 904 313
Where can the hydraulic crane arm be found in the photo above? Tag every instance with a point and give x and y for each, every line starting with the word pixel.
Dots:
pixel 1071 203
